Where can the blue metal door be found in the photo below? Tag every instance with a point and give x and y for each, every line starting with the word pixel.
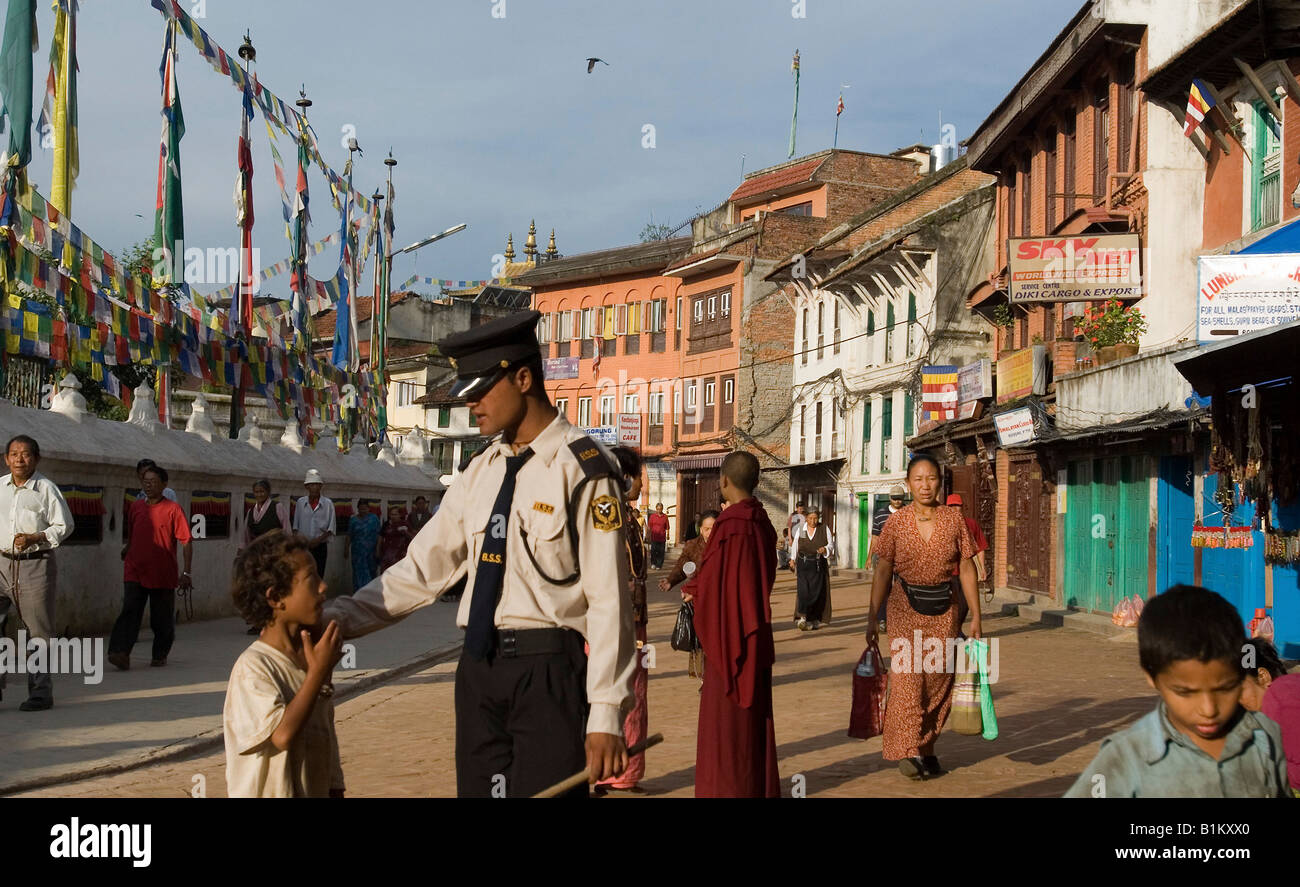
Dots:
pixel 1235 573
pixel 1176 515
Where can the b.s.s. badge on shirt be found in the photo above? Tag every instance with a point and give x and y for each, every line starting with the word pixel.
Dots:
pixel 605 514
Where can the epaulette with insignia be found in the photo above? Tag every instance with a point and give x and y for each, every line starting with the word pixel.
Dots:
pixel 593 461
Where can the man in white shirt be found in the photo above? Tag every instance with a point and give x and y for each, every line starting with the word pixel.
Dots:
pixel 34 519
pixel 315 520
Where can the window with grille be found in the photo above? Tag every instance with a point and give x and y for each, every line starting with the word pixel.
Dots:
pixel 817 431
pixel 1049 184
pixel 727 412
pixel 821 317
pixel 886 431
pixel 866 437
pixel 1012 181
pixel 1265 169
pixel 889 333
pixel 911 325
pixel 1071 159
pixel 1100 142
pixel 1027 196
pixel 803 433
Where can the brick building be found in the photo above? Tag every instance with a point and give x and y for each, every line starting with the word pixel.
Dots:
pixel 1081 150
pixel 612 337
pixel 877 299
pixel 736 367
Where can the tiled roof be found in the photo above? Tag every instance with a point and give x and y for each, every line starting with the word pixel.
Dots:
pixel 780 178
pixel 325 320
pixel 638 257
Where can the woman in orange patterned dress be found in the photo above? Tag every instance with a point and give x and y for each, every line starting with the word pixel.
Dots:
pixel 919 548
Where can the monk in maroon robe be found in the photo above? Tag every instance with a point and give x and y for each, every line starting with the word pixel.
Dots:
pixel 736 741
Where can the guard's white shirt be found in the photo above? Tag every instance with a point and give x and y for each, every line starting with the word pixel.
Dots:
pixel 35 507
pixel 447 548
pixel 312 522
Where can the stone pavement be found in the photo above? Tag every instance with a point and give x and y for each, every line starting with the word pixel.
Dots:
pixel 146 713
pixel 1060 692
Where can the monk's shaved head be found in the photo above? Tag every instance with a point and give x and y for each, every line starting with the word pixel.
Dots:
pixel 741 469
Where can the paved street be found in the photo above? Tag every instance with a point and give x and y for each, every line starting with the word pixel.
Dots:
pixel 1061 690
pixel 137 715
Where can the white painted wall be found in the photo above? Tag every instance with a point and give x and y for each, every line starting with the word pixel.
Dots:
pixel 78 448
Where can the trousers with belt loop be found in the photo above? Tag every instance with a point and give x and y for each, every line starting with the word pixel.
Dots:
pixel 37 581
pixel 521 715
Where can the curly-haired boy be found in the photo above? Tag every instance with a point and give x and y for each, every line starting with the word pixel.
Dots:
pixel 279 717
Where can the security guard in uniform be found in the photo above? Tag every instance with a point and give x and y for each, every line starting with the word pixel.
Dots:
pixel 534 527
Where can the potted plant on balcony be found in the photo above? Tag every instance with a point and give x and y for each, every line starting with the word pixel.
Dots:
pixel 1112 329
pixel 1002 317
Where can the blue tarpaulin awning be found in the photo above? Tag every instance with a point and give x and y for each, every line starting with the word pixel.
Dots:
pixel 1284 240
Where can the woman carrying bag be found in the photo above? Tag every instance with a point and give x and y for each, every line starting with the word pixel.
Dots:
pixel 919 547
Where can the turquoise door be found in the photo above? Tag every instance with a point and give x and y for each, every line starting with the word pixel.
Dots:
pixel 1134 539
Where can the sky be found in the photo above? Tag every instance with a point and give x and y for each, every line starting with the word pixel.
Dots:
pixel 494 121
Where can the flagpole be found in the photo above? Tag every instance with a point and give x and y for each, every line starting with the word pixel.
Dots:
pixel 302 316
pixel 794 120
pixel 379 313
pixel 244 292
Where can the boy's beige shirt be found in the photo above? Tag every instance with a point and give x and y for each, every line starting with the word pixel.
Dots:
pixel 262 684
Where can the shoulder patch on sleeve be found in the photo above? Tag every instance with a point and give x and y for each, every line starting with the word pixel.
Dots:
pixel 605 514
pixel 593 461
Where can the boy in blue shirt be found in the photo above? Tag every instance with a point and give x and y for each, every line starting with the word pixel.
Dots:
pixel 1199 742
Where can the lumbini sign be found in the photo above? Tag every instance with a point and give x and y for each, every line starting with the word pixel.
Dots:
pixel 1245 294
pixel 1087 268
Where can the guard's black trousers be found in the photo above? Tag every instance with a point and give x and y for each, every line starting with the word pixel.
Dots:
pixel 521 722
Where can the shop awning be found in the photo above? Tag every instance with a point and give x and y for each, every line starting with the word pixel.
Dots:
pixel 693 463
pixel 1284 240
pixel 1245 360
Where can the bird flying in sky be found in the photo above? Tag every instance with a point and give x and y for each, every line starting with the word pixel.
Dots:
pixel 591 64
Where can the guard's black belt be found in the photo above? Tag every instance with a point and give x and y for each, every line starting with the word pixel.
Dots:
pixel 35 555
pixel 513 642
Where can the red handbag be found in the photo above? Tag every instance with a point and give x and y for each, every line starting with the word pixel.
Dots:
pixel 870 686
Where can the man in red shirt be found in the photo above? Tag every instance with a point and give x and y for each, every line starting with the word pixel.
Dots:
pixel 954 500
pixel 657 525
pixel 155 525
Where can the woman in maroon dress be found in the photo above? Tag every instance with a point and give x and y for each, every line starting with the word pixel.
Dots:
pixel 393 538
pixel 919 548
pixel 636 723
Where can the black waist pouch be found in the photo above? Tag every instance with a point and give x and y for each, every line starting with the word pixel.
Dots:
pixel 928 600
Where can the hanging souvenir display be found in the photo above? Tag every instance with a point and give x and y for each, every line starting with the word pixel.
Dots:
pixel 1282 549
